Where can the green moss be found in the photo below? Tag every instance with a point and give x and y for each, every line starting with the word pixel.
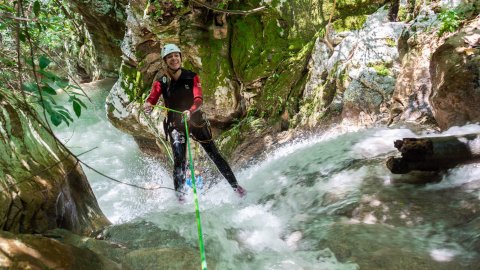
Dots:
pixel 281 87
pixel 258 47
pixel 247 127
pixel 216 68
pixel 346 8
pixel 229 141
pixel 403 14
pixel 350 23
pixel 382 69
pixel 391 42
pixel 132 82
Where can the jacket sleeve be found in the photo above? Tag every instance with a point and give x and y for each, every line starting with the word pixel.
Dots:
pixel 197 95
pixel 155 93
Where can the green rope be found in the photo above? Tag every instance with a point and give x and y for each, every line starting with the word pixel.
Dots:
pixel 195 197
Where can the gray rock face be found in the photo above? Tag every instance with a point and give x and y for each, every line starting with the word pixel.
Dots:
pixel 105 21
pixel 42 186
pixel 361 70
pixel 410 102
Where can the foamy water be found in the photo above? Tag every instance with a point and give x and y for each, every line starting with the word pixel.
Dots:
pixel 293 196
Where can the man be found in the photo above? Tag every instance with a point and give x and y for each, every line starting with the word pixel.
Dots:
pixel 182 91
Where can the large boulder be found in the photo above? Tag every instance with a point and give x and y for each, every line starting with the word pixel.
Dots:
pixel 438 81
pixel 42 184
pixel 455 74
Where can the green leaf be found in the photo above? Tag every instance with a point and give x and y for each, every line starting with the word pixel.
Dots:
pixel 49 90
pixel 36 8
pixel 47 106
pixel 30 87
pixel 66 114
pixel 43 62
pixel 75 87
pixel 62 83
pixel 21 36
pixel 53 85
pixel 29 61
pixel 51 100
pixel 39 27
pixel 49 75
pixel 80 101
pixel 7 8
pixel 77 108
pixel 56 118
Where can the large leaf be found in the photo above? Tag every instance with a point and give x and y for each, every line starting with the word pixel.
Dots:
pixel 56 118
pixel 21 36
pixel 36 8
pixel 49 90
pixel 53 85
pixel 79 101
pixel 62 83
pixel 7 8
pixel 30 87
pixel 49 75
pixel 43 62
pixel 66 115
pixel 77 108
pixel 49 98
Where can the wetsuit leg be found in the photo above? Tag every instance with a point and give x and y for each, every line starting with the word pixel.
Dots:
pixel 204 136
pixel 220 162
pixel 177 141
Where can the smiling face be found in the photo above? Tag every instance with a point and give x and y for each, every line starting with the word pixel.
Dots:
pixel 174 61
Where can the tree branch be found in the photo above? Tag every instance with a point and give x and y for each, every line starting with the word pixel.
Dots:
pixel 10 16
pixel 237 12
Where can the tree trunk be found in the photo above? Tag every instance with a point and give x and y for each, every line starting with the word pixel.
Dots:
pixel 433 154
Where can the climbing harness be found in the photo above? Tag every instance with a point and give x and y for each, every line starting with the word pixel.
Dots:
pixel 195 197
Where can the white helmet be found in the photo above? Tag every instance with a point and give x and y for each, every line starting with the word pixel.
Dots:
pixel 170 48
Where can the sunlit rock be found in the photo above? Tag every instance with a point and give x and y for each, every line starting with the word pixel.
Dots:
pixel 24 251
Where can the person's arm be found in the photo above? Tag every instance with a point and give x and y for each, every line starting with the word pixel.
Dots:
pixel 197 97
pixel 152 99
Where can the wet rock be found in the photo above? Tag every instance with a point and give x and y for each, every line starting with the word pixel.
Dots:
pixel 42 186
pixel 455 73
pixel 24 251
pixel 410 101
pixel 151 258
pixel 143 235
pixel 105 21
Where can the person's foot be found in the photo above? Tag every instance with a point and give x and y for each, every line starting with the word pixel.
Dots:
pixel 240 191
pixel 180 197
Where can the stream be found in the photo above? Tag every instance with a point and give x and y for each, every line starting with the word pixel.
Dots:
pixel 326 202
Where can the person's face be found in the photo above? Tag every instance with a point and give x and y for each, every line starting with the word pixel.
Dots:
pixel 173 60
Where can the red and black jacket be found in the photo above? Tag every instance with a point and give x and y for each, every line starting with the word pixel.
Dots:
pixel 182 94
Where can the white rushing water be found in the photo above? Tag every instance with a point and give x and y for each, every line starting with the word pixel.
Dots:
pixel 295 203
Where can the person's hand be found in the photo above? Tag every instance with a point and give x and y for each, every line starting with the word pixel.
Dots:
pixel 186 115
pixel 147 107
